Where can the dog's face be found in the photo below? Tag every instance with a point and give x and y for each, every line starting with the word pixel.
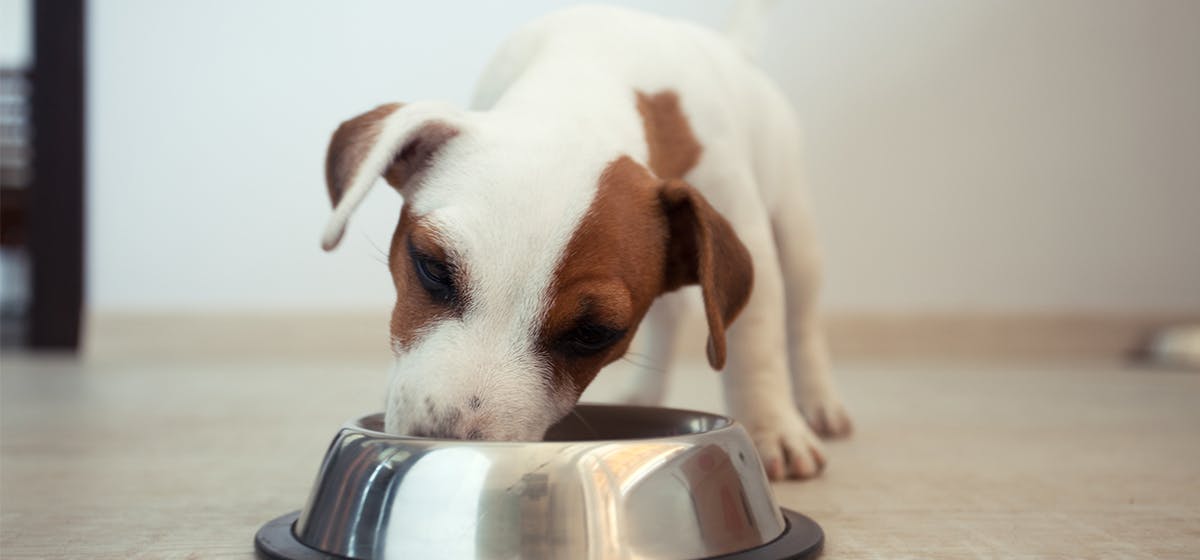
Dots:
pixel 518 279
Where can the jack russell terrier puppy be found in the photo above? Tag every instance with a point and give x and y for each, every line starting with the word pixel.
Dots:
pixel 611 157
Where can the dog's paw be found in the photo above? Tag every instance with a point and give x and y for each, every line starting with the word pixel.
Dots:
pixel 788 448
pixel 825 413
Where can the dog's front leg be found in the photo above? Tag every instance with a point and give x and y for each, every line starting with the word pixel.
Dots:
pixel 757 384
pixel 812 384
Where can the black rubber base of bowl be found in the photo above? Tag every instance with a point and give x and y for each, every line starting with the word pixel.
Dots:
pixel 801 539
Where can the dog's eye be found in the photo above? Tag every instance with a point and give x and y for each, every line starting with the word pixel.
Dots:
pixel 588 338
pixel 435 276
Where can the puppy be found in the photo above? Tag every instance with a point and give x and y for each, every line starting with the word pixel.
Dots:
pixel 611 157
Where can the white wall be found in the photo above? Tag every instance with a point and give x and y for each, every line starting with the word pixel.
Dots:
pixel 964 155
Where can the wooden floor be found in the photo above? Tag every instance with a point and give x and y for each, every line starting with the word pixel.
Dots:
pixel 171 458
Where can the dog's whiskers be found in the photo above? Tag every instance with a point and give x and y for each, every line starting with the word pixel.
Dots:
pixel 644 365
pixel 378 250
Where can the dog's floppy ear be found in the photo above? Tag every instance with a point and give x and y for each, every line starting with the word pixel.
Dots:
pixel 703 249
pixel 394 141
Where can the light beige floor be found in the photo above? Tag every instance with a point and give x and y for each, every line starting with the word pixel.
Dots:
pixel 160 458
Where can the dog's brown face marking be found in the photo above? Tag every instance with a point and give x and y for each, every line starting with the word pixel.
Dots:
pixel 416 309
pixel 610 273
pixel 616 262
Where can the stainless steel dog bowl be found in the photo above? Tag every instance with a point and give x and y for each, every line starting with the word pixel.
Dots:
pixel 608 482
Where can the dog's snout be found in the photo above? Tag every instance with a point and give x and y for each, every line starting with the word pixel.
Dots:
pixel 444 423
pixel 471 397
pixel 432 421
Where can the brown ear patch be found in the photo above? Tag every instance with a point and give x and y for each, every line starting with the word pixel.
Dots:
pixel 353 140
pixel 672 145
pixel 418 152
pixel 349 146
pixel 705 250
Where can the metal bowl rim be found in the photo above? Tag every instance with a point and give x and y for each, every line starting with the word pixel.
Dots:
pixel 728 424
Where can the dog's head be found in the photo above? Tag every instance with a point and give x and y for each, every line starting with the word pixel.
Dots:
pixel 522 264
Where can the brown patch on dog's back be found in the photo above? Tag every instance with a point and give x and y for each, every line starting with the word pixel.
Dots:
pixel 673 147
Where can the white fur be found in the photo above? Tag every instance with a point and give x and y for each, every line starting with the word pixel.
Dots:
pixel 556 105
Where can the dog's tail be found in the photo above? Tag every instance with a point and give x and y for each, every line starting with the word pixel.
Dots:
pixel 747 27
